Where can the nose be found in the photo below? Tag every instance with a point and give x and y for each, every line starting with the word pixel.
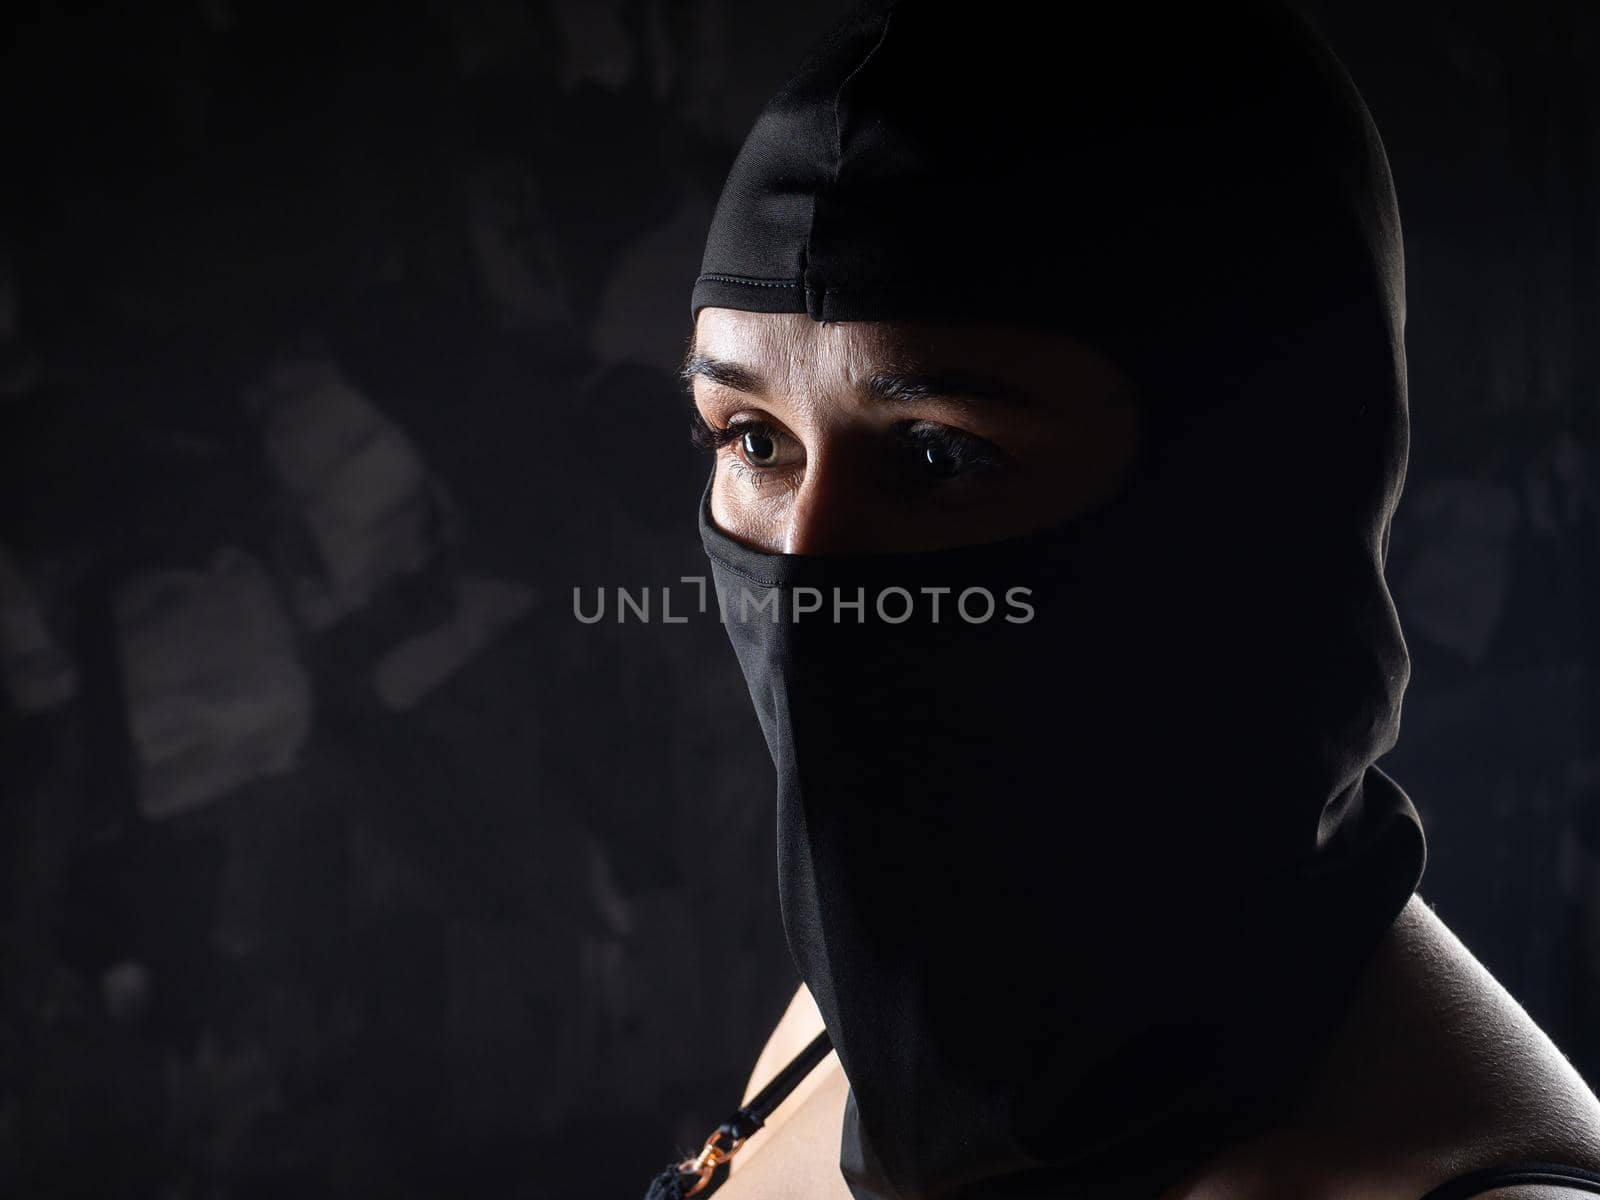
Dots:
pixel 832 512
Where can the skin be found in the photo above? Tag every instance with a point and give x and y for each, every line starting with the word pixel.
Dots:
pixel 1027 429
pixel 1436 1070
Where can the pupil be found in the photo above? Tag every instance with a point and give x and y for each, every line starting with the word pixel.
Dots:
pixel 941 464
pixel 760 448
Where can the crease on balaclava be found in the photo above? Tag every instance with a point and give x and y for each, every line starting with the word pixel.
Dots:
pixel 1077 899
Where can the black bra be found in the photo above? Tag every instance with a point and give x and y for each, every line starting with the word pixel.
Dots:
pixel 704 1173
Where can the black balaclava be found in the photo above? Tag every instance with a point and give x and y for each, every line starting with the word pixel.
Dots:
pixel 1079 895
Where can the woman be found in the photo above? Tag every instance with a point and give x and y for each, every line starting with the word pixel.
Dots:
pixel 1053 364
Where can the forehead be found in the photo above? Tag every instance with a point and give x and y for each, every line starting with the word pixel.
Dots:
pixel 787 346
pixel 792 345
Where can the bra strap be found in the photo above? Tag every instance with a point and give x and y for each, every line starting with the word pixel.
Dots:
pixel 693 1175
pixel 1475 1183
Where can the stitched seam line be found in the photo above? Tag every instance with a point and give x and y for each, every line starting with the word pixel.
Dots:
pixel 745 575
pixel 838 152
pixel 741 572
pixel 747 282
pixel 838 126
pixel 843 288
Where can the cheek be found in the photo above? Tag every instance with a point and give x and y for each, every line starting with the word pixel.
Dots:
pixel 1106 458
pixel 1074 471
pixel 726 508
pixel 745 513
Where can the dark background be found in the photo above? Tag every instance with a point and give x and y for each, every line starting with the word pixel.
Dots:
pixel 336 348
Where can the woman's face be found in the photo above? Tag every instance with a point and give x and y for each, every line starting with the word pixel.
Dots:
pixel 869 436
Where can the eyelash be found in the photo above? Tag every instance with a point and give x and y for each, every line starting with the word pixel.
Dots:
pixel 975 456
pixel 705 436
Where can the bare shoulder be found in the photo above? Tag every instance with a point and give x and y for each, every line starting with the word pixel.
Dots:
pixel 1436 1071
pixel 800 1022
pixel 797 1157
pixel 1467 1051
pixel 797 1151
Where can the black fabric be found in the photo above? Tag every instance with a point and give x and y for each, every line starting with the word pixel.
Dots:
pixel 778 1089
pixel 1078 896
pixel 1478 1182
pixel 672 1183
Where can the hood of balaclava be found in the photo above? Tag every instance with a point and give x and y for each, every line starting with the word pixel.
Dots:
pixel 1079 888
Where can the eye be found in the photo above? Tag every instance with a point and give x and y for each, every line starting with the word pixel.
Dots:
pixel 759 447
pixel 940 454
pixel 942 464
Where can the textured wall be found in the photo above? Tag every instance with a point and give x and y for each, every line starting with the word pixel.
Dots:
pixel 336 349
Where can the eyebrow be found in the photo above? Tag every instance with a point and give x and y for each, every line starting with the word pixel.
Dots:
pixel 719 371
pixel 887 387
